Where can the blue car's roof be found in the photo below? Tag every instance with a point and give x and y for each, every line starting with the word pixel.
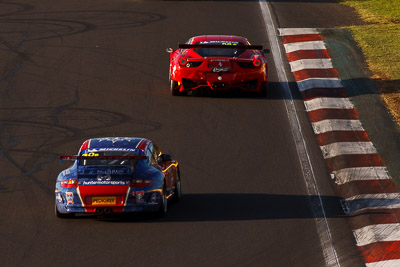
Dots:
pixel 133 144
pixel 115 142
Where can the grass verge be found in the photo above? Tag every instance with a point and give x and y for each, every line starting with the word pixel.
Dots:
pixel 380 43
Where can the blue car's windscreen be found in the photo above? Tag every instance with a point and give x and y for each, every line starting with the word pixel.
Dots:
pixel 219 52
pixel 106 162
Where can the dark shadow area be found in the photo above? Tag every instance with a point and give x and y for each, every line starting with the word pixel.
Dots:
pixel 353 87
pixel 274 91
pixel 232 207
pixel 232 93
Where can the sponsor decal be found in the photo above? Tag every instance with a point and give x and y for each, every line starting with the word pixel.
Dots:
pixel 220 69
pixel 109 172
pixel 219 60
pixel 116 149
pixel 70 197
pixel 101 177
pixel 94 150
pixel 104 182
pixel 104 200
pixel 114 139
pixel 59 198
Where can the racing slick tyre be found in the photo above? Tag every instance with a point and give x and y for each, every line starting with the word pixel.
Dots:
pixel 62 215
pixel 178 188
pixel 162 212
pixel 174 86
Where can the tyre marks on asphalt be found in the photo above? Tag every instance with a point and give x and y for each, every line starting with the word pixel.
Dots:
pixel 361 178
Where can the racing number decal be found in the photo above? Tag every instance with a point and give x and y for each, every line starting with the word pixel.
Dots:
pixel 228 43
pixel 91 154
pixel 219 43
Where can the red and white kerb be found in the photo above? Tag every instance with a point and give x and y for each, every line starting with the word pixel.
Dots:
pixel 358 171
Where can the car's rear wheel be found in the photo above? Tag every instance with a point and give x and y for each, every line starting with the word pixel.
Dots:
pixel 162 212
pixel 178 188
pixel 62 215
pixel 174 87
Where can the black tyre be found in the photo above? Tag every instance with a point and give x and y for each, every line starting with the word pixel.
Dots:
pixel 174 87
pixel 62 215
pixel 178 188
pixel 162 212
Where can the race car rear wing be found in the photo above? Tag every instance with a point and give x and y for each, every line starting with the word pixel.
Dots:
pixel 247 47
pixel 95 156
pixel 75 157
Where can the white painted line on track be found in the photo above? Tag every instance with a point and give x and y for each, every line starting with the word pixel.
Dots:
pixel 336 125
pixel 377 233
pixel 322 225
pixel 319 83
pixel 347 148
pixel 313 63
pixel 388 263
pixel 394 196
pixel 327 102
pixel 311 45
pixel 359 174
pixel 297 31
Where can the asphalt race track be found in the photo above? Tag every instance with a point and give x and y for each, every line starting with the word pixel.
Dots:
pixel 71 70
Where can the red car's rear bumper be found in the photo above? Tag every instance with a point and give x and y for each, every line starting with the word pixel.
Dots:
pixel 190 79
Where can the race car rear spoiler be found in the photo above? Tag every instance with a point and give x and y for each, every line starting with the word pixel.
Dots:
pixel 248 47
pixel 75 157
pixel 94 156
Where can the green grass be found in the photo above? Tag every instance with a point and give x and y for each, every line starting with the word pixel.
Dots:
pixel 381 46
pixel 376 10
pixel 380 43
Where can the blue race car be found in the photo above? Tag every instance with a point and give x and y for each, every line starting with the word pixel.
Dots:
pixel 117 175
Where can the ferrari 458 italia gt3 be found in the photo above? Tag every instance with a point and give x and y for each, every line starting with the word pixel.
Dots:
pixel 218 63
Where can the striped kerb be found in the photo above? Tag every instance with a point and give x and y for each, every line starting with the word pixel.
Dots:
pixel 360 175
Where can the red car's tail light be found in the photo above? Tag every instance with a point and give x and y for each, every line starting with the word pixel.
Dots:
pixel 69 183
pixel 182 61
pixel 141 182
pixel 257 62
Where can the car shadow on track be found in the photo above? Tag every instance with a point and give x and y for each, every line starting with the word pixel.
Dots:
pixel 274 91
pixel 233 207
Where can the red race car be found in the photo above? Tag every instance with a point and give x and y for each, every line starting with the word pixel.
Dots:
pixel 217 63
